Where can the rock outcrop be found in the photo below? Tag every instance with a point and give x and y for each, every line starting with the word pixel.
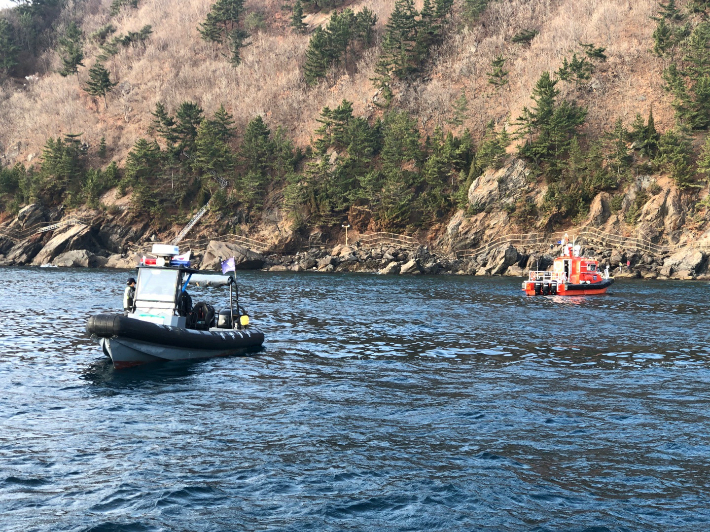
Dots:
pixel 61 241
pixel 244 258
pixel 73 259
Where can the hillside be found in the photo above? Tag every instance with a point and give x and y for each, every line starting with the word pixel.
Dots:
pixel 176 66
pixel 410 147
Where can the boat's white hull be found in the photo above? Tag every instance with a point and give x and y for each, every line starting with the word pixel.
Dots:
pixel 125 352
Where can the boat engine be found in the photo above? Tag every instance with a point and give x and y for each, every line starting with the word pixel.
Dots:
pixel 224 319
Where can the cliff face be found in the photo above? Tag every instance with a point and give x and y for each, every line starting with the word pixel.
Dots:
pixel 650 208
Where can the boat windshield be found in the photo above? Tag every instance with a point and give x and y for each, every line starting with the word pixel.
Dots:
pixel 591 267
pixel 157 285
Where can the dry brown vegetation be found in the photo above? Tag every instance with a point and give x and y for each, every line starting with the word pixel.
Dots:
pixel 176 65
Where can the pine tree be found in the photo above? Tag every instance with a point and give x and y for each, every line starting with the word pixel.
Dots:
pixel 690 84
pixel 576 70
pixel 8 48
pixel 548 126
pixel 257 149
pixel 594 52
pixel 297 18
pixel 102 148
pixel 704 159
pixel 674 156
pixel 237 41
pixel 474 8
pixel 223 124
pixel 188 118
pixel 317 57
pixel 669 11
pixel 163 123
pixel 99 83
pixel 524 37
pixel 71 51
pixel 143 162
pixel 663 38
pixel 620 157
pixel 210 30
pixel 699 6
pixel 224 25
pixel 212 155
pixel 399 46
pixel 460 109
pixel 491 151
pixel 498 77
pixel 332 45
pixel 143 168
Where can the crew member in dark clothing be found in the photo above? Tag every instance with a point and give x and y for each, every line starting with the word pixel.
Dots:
pixel 129 295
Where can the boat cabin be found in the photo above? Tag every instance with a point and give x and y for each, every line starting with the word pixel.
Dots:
pixel 158 293
pixel 577 270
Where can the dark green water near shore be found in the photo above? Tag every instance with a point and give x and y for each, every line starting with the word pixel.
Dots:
pixel 430 403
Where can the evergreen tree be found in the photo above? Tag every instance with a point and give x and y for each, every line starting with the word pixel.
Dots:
pixel 143 168
pixel 669 11
pixel 460 109
pixel 577 70
pixel 257 149
pixel 237 41
pixel 548 126
pixel 690 84
pixel 674 156
pixel 8 48
pixel 317 57
pixel 699 6
pixel 297 18
pixel 99 83
pixel 333 45
pixel 102 148
pixel 399 46
pixel 620 158
pixel 223 124
pixel 473 9
pixel 188 118
pixel 224 25
pixel 212 155
pixel 594 52
pixel 163 123
pixel 704 159
pixel 71 51
pixel 524 37
pixel 498 77
pixel 491 152
pixel 143 162
pixel 663 37
pixel 63 167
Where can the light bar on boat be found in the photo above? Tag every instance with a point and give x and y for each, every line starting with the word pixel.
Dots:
pixel 165 250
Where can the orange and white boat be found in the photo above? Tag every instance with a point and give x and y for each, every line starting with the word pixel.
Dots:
pixel 571 275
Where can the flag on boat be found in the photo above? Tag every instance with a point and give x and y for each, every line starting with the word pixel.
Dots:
pixel 228 266
pixel 181 260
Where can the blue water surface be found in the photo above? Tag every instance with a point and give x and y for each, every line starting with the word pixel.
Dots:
pixel 393 403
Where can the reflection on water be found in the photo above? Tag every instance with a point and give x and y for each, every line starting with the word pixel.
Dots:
pixel 445 403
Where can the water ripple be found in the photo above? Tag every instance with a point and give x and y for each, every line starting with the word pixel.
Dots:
pixel 427 403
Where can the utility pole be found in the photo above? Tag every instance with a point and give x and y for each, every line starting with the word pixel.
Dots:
pixel 346 226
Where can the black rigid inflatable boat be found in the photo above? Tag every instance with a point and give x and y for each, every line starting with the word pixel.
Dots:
pixel 162 324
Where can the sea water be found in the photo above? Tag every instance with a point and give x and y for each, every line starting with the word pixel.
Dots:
pixel 391 403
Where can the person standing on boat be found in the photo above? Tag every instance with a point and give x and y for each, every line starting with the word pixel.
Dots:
pixel 129 295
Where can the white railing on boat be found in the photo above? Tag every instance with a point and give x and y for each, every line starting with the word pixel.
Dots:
pixel 547 277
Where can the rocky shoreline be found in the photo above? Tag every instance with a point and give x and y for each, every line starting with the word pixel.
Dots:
pixel 108 245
